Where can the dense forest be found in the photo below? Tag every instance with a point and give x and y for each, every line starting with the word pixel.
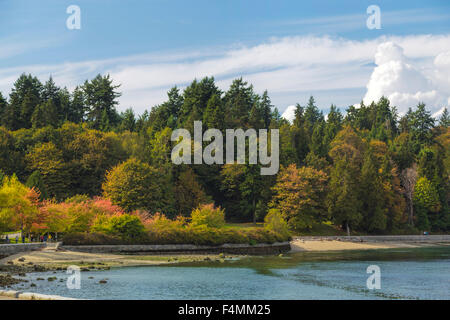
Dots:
pixel 368 169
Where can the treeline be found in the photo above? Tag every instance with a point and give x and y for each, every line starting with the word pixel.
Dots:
pixel 368 169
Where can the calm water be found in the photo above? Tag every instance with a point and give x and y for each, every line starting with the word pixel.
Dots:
pixel 405 274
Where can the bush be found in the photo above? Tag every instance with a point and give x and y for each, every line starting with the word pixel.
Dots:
pixel 197 235
pixel 209 216
pixel 126 226
pixel 84 238
pixel 275 222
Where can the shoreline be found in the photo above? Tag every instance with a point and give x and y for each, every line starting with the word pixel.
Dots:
pixel 54 260
pixel 58 260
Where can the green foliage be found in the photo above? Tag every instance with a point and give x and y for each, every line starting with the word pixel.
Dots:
pixel 126 226
pixel 2 177
pixel 373 207
pixel 196 235
pixel 208 216
pixel 136 185
pixel 101 98
pixel 275 222
pixel 343 201
pixel 444 120
pixel 84 238
pixel 426 196
pixel 189 193
pixel 18 206
pixel 35 181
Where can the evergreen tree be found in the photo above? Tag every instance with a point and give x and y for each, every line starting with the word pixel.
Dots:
pixel 128 120
pixel 25 96
pixel 317 144
pixel 299 118
pixel 174 105
pixel 311 116
pixel 77 106
pixel 266 109
pixel 45 114
pixel 239 100
pixel 214 116
pixel 3 106
pixel 421 125
pixel 444 120
pixel 101 100
pixel 195 101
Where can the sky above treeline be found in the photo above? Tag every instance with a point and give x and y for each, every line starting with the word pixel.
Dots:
pixel 291 48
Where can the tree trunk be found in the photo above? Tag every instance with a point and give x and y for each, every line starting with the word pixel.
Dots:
pixel 348 228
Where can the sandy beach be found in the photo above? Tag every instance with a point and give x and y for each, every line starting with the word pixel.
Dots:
pixel 335 245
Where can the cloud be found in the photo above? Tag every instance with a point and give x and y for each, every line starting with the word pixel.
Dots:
pixel 406 84
pixel 335 70
pixel 289 113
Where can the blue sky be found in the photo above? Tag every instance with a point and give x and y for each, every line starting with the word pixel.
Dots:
pixel 149 46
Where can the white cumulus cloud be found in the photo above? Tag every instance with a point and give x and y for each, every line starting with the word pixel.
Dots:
pixel 289 113
pixel 405 83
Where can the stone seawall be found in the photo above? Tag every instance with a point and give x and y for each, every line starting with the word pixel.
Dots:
pixel 406 238
pixel 9 249
pixel 258 249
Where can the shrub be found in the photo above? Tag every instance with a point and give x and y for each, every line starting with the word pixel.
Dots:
pixel 275 222
pixel 209 216
pixel 84 238
pixel 126 226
